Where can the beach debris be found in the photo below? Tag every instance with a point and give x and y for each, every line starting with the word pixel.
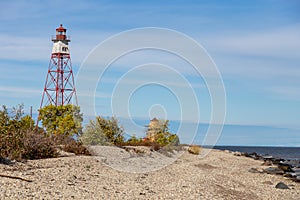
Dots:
pixel 15 177
pixel 281 185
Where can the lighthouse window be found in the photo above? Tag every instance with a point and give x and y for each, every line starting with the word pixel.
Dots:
pixel 65 49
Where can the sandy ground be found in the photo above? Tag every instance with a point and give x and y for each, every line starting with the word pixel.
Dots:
pixel 220 175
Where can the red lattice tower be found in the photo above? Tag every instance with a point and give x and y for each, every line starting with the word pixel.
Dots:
pixel 59 86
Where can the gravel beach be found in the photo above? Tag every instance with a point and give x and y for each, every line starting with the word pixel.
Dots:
pixel 114 173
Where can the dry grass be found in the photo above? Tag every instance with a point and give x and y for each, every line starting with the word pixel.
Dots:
pixel 194 149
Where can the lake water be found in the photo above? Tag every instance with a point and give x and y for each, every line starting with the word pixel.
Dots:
pixel 287 153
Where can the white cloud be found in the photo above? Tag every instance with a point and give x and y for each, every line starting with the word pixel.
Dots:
pixel 19 91
pixel 281 43
pixel 24 48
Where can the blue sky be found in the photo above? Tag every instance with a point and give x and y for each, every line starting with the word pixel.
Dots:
pixel 255 45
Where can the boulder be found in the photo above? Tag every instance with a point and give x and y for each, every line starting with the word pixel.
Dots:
pixel 267 163
pixel 285 167
pixel 237 153
pixel 267 157
pixel 296 179
pixel 253 155
pixel 273 170
pixel 281 185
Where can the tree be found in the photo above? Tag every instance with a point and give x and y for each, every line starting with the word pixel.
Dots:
pixel 103 131
pixel 15 119
pixel 93 134
pixel 158 131
pixel 61 120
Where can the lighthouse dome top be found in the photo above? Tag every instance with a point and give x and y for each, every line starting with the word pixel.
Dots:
pixel 61 35
pixel 61 28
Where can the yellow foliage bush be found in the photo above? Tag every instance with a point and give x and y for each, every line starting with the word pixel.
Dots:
pixel 194 149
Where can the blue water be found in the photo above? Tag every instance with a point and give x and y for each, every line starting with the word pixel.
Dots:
pixel 287 153
pixel 231 135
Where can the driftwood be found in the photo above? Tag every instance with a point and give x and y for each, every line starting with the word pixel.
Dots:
pixel 15 177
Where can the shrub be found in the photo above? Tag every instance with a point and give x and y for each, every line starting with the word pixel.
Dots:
pixel 194 149
pixel 71 145
pixel 38 145
pixel 102 131
pixel 61 120
pixel 26 144
pixel 20 140
pixel 158 131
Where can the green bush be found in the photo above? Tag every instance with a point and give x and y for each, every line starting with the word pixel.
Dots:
pixel 61 120
pixel 161 134
pixel 26 144
pixel 19 139
pixel 102 131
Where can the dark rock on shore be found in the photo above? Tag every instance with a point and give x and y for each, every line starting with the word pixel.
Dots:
pixel 285 167
pixel 281 185
pixel 267 163
pixel 251 155
pixel 273 170
pixel 277 161
pixel 296 178
pixel 254 170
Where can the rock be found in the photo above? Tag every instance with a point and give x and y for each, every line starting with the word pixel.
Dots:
pixel 267 157
pixel 281 185
pixel 267 163
pixel 278 161
pixel 237 153
pixel 254 170
pixel 285 167
pixel 288 175
pixel 296 170
pixel 292 163
pixel 268 183
pixel 194 149
pixel 252 155
pixel 296 179
pixel 62 153
pixel 273 170
pixel 137 149
pixel 6 161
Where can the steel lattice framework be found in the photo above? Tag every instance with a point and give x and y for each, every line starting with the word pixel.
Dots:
pixel 59 86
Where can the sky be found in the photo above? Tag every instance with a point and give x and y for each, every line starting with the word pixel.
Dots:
pixel 255 46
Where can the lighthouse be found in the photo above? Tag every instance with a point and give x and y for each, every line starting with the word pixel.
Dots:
pixel 59 86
